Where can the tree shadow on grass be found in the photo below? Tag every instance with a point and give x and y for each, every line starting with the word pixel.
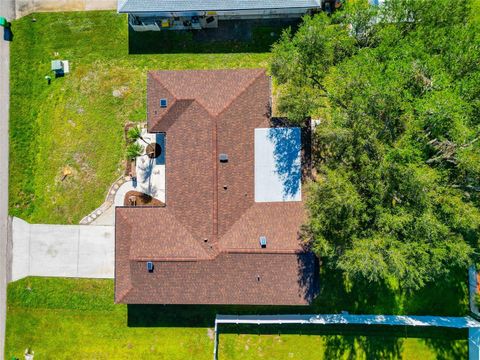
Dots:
pixel 447 297
pixel 445 349
pixel 239 36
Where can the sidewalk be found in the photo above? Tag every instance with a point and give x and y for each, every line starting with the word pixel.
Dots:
pixel 6 10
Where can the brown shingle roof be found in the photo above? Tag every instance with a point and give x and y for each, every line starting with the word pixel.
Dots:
pixel 230 278
pixel 205 242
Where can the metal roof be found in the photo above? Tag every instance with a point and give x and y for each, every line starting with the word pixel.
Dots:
pixel 278 173
pixel 128 6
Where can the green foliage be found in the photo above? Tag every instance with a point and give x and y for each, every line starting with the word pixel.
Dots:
pixel 134 133
pixel 134 150
pixel 396 199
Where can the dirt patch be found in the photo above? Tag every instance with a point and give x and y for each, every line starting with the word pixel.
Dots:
pixel 136 198
pixel 120 92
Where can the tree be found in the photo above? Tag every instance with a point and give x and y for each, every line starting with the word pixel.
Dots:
pixel 397 89
pixel 134 150
pixel 135 133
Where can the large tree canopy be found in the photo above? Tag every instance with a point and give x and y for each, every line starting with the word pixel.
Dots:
pixel 397 151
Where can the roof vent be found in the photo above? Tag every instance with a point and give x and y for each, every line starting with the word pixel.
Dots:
pixel 150 266
pixel 163 103
pixel 223 158
pixel 263 241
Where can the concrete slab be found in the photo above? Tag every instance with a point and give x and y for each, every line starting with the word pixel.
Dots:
pixel 62 250
pixel 96 252
pixel 151 172
pixel 53 250
pixel 20 249
pixel 25 7
pixel 100 5
pixel 107 218
pixel 278 165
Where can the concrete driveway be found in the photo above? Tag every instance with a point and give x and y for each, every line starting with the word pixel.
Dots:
pixel 62 250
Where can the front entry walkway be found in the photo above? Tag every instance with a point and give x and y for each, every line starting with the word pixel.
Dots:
pixel 61 250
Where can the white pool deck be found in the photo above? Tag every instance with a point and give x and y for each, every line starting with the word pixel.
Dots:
pixel 150 174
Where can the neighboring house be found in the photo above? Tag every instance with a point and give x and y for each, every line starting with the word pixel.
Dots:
pixel 155 15
pixel 229 233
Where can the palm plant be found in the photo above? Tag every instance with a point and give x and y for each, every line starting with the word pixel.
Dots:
pixel 135 133
pixel 134 150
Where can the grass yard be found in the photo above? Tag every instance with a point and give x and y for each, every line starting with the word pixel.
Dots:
pixel 65 318
pixel 328 347
pixel 76 123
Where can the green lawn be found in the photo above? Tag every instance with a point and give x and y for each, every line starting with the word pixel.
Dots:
pixel 281 346
pixel 76 122
pixel 61 317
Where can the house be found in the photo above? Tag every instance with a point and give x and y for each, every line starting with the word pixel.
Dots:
pixel 156 15
pixel 229 233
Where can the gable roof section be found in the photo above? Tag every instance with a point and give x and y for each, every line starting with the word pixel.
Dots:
pixel 158 224
pixel 126 6
pixel 213 90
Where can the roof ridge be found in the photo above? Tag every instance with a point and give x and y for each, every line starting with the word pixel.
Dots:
pixel 247 86
pixel 194 238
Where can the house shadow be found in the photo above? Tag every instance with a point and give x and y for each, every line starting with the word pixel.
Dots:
pixel 232 36
pixel 153 315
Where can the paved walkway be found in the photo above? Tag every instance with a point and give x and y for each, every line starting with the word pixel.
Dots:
pixel 6 10
pixel 108 215
pixel 62 250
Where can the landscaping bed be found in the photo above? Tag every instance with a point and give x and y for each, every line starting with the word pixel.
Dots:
pixel 140 199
